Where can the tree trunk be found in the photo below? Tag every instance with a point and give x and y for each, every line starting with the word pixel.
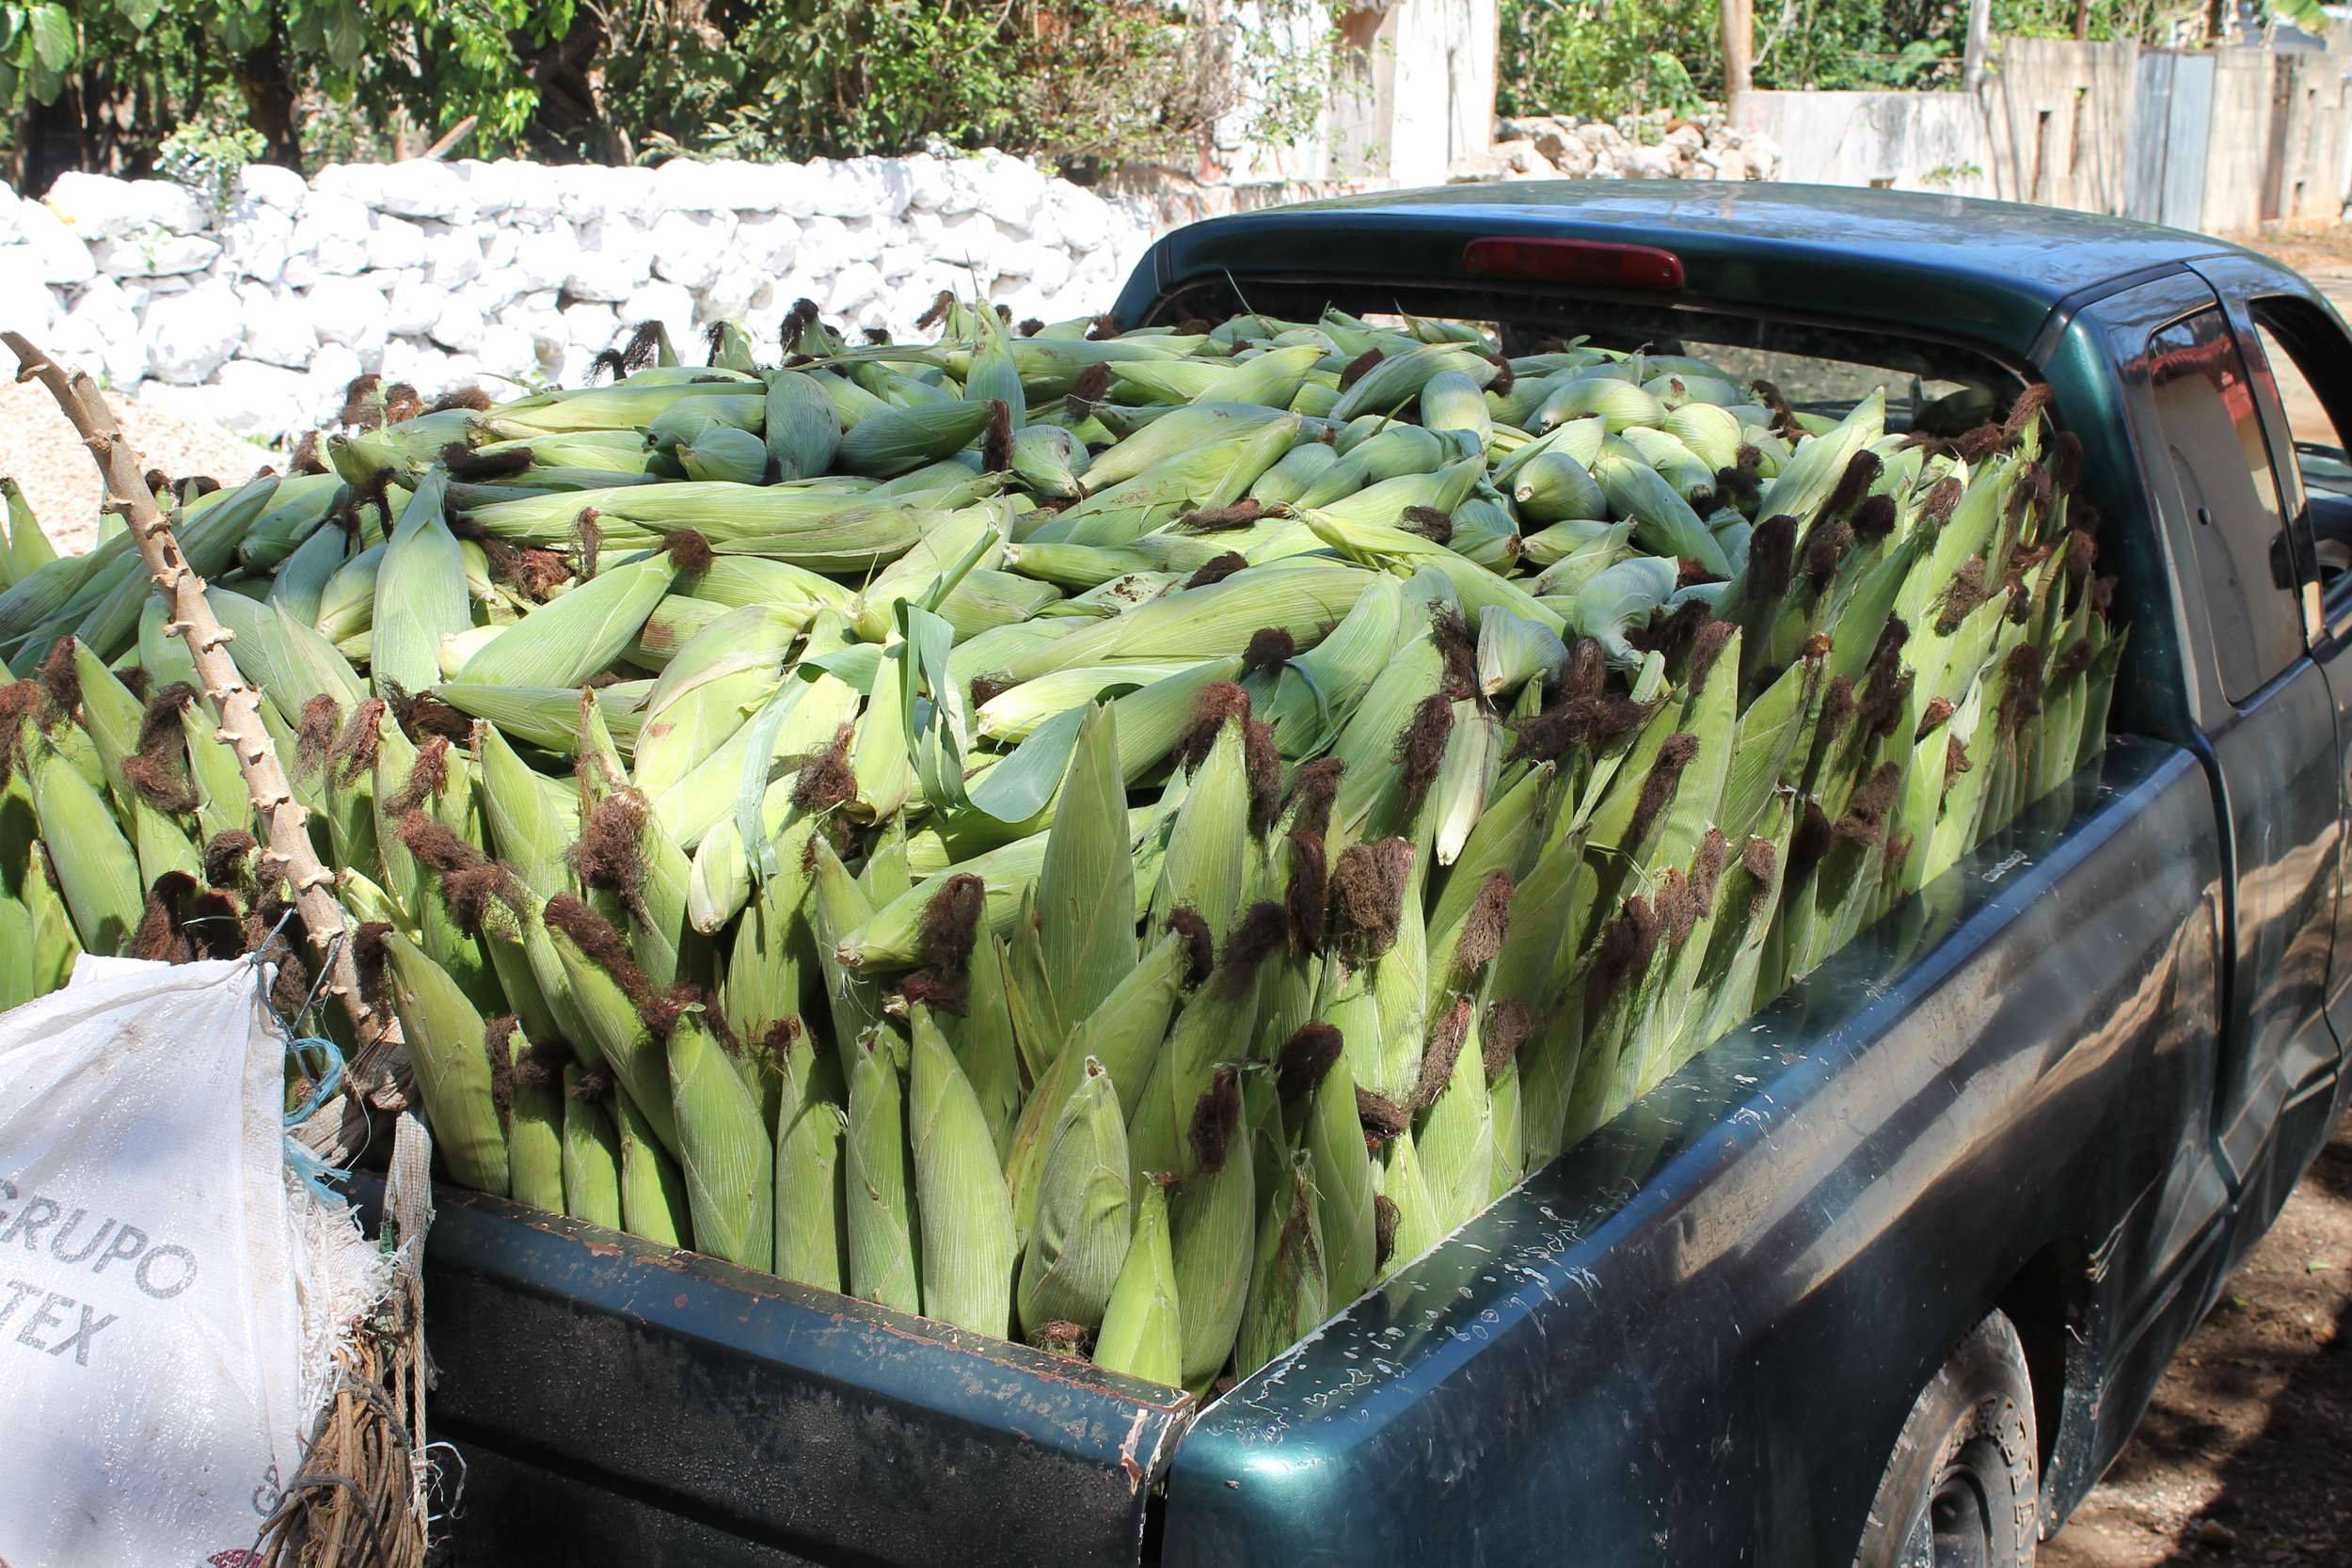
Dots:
pixel 1739 46
pixel 569 123
pixel 271 100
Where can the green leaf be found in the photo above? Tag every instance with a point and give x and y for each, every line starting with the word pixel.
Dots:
pixel 1017 788
pixel 54 47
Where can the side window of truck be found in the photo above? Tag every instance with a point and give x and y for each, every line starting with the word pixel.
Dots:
pixel 2310 366
pixel 2213 439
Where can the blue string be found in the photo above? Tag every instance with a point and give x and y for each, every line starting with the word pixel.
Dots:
pixel 312 1170
pixel 321 1086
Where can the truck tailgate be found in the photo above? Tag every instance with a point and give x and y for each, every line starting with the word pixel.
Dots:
pixel 620 1402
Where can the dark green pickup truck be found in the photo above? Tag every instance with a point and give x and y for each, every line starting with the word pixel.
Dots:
pixel 1887 1274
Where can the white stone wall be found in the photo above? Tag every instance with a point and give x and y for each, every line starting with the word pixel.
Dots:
pixel 447 274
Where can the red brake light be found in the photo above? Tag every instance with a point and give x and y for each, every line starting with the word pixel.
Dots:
pixel 1595 262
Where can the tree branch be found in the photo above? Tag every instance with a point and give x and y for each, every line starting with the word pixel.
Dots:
pixel 377 1068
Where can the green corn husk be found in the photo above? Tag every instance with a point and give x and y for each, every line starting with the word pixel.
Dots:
pixel 56 944
pixel 592 1157
pixel 891 736
pixel 1288 1294
pixel 534 1135
pixel 811 1244
pixel 97 869
pixel 1344 1182
pixel 1086 907
pixel 967 1243
pixel 986 1045
pixel 1456 1143
pixel 1204 865
pixel 1078 1244
pixel 899 440
pixel 726 1156
pixel 420 596
pixel 1142 1332
pixel 724 453
pixel 654 1201
pixel 876 1176
pixel 446 1037
pixel 1214 1223
pixel 615 1035
pixel 576 636
pixel 1417 1228
pixel 1123 1036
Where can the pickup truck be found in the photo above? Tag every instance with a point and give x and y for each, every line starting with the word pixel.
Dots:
pixel 1887 1274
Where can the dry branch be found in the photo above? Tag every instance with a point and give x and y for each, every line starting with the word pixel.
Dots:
pixel 379 1063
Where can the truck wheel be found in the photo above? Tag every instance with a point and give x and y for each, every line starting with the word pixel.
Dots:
pixel 1960 1490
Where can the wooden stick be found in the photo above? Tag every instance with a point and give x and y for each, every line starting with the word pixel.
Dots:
pixel 374 1069
pixel 456 134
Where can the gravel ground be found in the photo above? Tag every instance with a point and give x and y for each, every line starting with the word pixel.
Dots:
pixel 2245 1454
pixel 43 454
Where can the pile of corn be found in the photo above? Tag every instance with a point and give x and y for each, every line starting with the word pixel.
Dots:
pixel 1118 843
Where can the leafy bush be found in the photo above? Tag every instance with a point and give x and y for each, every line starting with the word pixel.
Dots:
pixel 207 155
pixel 618 81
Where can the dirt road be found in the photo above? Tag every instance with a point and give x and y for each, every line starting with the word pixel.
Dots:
pixel 2246 1452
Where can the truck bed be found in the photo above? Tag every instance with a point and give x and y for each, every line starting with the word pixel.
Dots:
pixel 1553 1374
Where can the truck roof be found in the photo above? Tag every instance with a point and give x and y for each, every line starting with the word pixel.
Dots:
pixel 1987 270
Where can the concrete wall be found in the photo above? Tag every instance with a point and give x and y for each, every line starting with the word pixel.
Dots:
pixel 2058 116
pixel 1415 90
pixel 2220 142
pixel 1905 141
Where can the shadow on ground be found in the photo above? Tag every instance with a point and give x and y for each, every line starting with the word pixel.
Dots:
pixel 2245 1454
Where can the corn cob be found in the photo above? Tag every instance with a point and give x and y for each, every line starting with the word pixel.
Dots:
pixel 967 1245
pixel 447 1041
pixel 1078 1244
pixel 876 1174
pixel 1142 1332
pixel 654 1200
pixel 592 1153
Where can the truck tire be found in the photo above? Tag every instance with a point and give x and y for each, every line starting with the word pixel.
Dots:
pixel 1960 1490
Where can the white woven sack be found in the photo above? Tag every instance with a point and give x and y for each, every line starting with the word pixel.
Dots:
pixel 169 1297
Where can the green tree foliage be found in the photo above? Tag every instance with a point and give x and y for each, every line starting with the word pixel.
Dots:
pixel 616 80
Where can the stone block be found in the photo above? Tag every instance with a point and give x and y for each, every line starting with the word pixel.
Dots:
pixel 393 242
pixel 459 327
pixel 348 310
pixel 280 189
pixel 97 206
pixel 689 247
pixel 768 243
pixel 411 308
pixel 189 336
pixel 593 326
pixel 424 188
pixel 154 253
pixel 278 327
pixel 250 398
pixel 453 256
